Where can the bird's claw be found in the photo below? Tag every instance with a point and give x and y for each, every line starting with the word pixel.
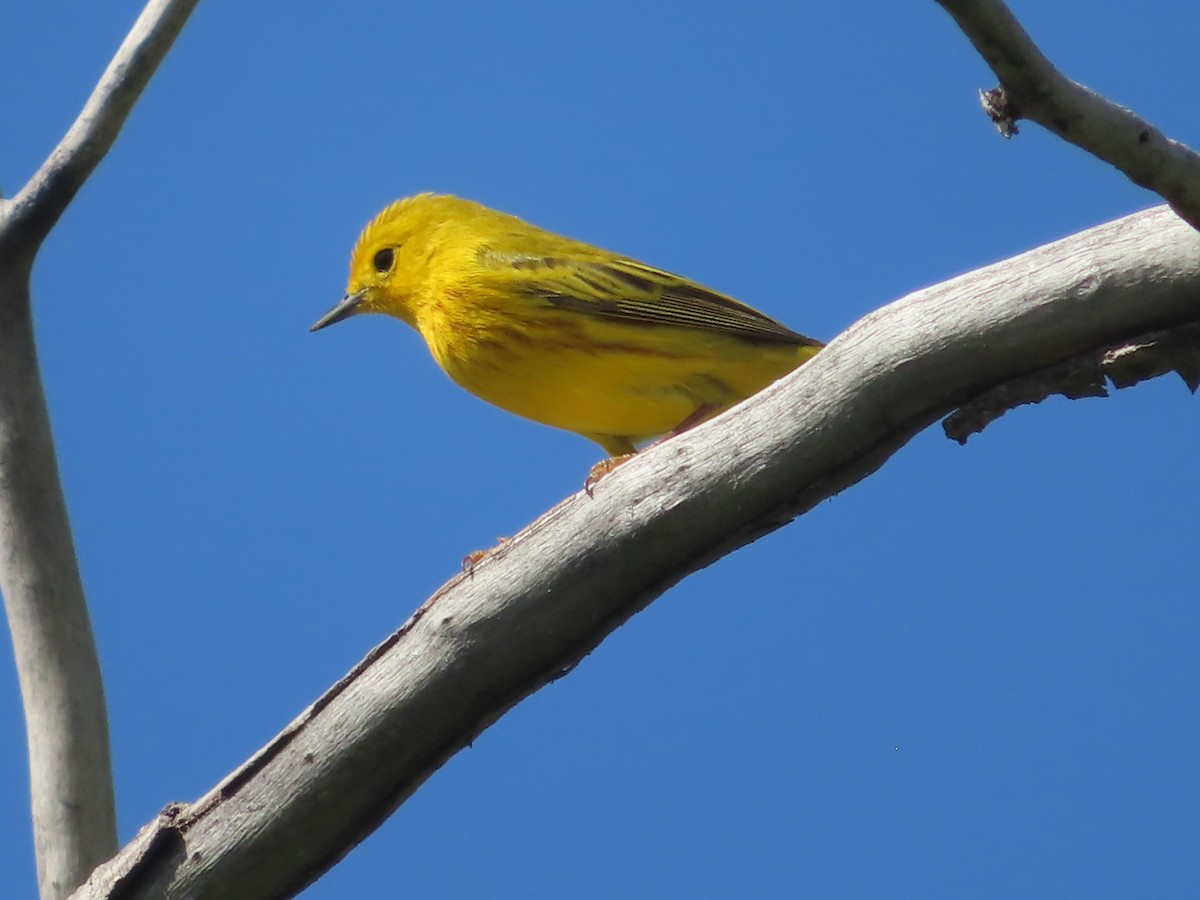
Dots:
pixel 602 468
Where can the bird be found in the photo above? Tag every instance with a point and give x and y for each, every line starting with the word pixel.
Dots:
pixel 560 331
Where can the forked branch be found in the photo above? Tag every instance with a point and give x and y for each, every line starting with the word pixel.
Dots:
pixel 1031 88
pixel 74 820
pixel 28 217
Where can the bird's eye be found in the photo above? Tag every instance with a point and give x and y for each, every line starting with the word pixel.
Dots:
pixel 384 259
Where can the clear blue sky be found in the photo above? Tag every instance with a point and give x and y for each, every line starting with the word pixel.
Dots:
pixel 974 674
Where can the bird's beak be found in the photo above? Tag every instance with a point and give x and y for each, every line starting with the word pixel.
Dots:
pixel 346 307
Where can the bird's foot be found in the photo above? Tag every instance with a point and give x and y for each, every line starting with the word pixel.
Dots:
pixel 475 557
pixel 602 468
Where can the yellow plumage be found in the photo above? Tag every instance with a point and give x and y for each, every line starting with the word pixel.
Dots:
pixel 559 331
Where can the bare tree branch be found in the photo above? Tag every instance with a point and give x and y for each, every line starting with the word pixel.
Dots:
pixel 543 600
pixel 1033 89
pixel 74 818
pixel 28 217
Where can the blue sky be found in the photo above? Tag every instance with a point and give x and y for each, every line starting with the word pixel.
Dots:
pixel 972 675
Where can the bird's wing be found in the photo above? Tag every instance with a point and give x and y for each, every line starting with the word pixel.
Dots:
pixel 627 290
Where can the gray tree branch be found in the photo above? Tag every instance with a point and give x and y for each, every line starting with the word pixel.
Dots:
pixel 1032 88
pixel 74 818
pixel 28 217
pixel 542 601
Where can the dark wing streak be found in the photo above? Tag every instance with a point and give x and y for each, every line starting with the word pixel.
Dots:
pixel 630 291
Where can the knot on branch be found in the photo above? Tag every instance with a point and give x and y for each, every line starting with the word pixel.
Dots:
pixel 1001 110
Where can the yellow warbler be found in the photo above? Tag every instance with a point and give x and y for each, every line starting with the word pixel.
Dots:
pixel 559 331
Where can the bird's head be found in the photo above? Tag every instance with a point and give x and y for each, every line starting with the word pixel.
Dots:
pixel 391 260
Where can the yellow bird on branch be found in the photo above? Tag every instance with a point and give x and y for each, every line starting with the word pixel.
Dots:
pixel 559 331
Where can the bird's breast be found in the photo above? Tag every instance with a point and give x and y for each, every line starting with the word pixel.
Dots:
pixel 558 369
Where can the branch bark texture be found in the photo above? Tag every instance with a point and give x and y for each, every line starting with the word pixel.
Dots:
pixel 74 816
pixel 542 601
pixel 1035 90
